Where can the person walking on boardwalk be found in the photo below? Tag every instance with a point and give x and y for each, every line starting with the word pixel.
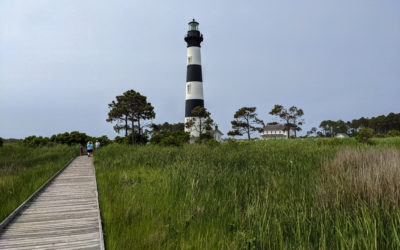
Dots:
pixel 97 145
pixel 89 148
pixel 81 149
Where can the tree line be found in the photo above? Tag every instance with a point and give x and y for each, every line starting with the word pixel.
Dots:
pixel 130 113
pixel 380 125
pixel 75 137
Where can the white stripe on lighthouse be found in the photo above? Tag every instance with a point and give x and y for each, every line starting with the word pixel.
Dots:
pixel 193 55
pixel 194 90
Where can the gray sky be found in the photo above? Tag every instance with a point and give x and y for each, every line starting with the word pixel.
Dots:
pixel 62 62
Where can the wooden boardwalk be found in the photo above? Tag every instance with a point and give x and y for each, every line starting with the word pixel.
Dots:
pixel 65 215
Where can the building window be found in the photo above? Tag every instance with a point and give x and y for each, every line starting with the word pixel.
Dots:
pixel 188 88
pixel 189 59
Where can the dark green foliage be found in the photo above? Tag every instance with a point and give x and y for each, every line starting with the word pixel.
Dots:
pixel 121 140
pixel 104 141
pixel 393 133
pixel 204 138
pixel 170 138
pixel 380 125
pixel 130 107
pixel 331 128
pixel 1 141
pixel 37 141
pixel 72 138
pixel 364 135
pixel 167 126
pixel 138 139
pixel 246 122
pixel 119 113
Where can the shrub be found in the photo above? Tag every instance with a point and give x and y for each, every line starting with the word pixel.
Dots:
pixel 213 142
pixel 104 141
pixel 393 133
pixel 72 138
pixel 75 137
pixel 139 139
pixel 170 138
pixel 379 135
pixel 364 135
pixel 121 140
pixel 36 141
pixel 204 138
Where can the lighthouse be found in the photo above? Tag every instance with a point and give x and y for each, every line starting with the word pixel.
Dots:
pixel 194 79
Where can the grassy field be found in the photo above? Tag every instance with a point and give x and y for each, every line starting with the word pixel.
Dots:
pixel 24 169
pixel 278 194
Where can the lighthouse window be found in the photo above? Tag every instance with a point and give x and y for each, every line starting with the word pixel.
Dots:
pixel 188 89
pixel 189 59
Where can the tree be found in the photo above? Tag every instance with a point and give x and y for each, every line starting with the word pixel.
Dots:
pixel 245 122
pixel 364 135
pixel 380 125
pixel 168 126
pixel 393 133
pixel 291 117
pixel 341 127
pixel 331 128
pixel 200 122
pixel 104 141
pixel 138 109
pixel 312 132
pixel 130 107
pixel 170 137
pixel 119 113
pixel 1 141
pixel 327 127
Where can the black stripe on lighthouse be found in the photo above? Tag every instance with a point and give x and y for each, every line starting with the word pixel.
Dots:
pixel 191 104
pixel 194 73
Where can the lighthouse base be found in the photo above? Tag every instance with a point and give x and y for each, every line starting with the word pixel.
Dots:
pixel 194 130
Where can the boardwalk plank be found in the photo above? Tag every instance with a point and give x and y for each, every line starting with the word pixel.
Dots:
pixel 65 215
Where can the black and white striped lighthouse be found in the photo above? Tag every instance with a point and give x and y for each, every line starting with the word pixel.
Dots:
pixel 194 79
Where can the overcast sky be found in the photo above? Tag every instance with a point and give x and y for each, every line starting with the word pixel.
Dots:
pixel 62 62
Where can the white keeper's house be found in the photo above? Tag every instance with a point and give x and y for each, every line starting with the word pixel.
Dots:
pixel 276 131
pixel 217 134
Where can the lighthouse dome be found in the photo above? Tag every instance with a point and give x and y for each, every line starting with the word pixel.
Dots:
pixel 193 37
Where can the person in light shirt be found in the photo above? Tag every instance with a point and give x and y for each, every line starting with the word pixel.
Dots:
pixel 89 148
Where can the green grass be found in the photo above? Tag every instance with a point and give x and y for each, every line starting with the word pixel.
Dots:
pixel 257 195
pixel 24 169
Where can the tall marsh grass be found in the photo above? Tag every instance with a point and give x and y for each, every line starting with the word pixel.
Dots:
pixel 24 169
pixel 256 195
pixel 370 176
